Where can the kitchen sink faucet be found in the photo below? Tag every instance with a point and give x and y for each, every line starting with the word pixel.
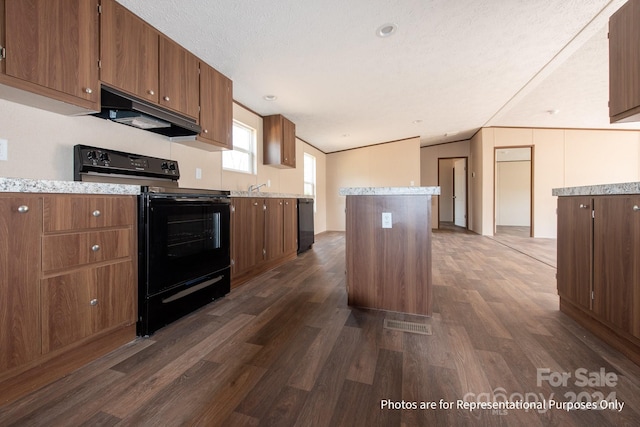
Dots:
pixel 255 187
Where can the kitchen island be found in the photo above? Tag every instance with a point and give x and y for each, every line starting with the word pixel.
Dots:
pixel 598 277
pixel 388 248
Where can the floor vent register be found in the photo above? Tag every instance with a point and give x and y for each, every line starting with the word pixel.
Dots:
pixel 399 325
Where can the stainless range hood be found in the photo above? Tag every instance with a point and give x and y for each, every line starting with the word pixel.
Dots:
pixel 122 108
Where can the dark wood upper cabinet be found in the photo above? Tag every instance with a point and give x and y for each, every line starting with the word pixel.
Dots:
pixel 216 108
pixel 179 79
pixel 52 49
pixel 129 52
pixel 624 63
pixel 279 141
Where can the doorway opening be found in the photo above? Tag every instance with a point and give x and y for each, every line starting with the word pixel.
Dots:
pixel 513 191
pixel 453 200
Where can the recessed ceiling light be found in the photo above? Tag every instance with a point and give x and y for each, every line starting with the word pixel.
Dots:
pixel 553 112
pixel 451 133
pixel 415 122
pixel 270 97
pixel 344 135
pixel 386 30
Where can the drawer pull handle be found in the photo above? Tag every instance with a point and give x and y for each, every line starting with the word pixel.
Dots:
pixel 96 213
pixel 95 248
pixel 583 206
pixel 23 209
pixel 636 208
pixel 166 98
pixel 93 302
pixel 88 90
pixel 151 92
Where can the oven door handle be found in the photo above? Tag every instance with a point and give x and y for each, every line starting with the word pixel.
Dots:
pixel 194 199
pixel 192 289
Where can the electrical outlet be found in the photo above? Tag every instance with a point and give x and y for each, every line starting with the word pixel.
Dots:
pixel 413 183
pixel 268 183
pixel 386 220
pixel 198 173
pixel 4 149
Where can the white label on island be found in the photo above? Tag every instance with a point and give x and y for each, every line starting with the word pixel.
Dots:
pixel 386 220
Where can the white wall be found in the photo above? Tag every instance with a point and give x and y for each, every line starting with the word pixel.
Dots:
pixel 394 164
pixel 561 158
pixel 320 218
pixel 41 147
pixel 513 193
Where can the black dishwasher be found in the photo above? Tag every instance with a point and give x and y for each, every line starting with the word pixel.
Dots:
pixel 305 224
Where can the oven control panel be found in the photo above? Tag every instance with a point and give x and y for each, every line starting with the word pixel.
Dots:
pixel 93 160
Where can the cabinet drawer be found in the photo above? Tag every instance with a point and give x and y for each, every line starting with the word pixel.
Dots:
pixel 80 212
pixel 77 305
pixel 69 250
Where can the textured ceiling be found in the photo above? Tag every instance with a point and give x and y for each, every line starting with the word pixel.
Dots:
pixel 453 65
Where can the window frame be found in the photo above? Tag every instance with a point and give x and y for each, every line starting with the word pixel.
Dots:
pixel 314 184
pixel 252 153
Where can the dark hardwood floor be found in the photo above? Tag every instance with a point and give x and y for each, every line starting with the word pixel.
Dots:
pixel 284 349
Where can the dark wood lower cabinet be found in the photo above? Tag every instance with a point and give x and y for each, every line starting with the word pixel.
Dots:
pixel 575 247
pixel 599 268
pixel 616 262
pixel 263 235
pixel 68 284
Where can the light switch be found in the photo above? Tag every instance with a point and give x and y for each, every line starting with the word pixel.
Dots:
pixel 386 220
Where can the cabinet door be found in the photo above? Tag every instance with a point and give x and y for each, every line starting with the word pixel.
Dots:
pixel 616 267
pixel 66 309
pixel 54 44
pixel 248 233
pixel 288 143
pixel 179 79
pixel 85 302
pixel 575 236
pixel 20 228
pixel 129 52
pixel 279 141
pixel 116 294
pixel 624 63
pixel 290 225
pixel 274 221
pixel 216 107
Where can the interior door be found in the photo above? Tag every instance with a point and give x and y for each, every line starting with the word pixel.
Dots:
pixel 460 192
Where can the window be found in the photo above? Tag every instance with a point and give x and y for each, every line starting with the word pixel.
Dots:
pixel 309 175
pixel 243 156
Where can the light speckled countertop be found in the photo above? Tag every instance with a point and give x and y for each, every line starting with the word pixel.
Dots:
pixel 24 185
pixel 599 190
pixel 389 191
pixel 235 193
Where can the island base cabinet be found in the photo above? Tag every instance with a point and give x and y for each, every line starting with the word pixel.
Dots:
pixel 598 268
pixel 389 265
pixel 616 264
pixel 575 248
